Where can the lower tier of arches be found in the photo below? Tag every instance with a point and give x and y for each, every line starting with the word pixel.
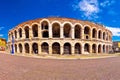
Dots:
pixel 57 48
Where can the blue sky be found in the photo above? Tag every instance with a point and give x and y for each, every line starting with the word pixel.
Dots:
pixel 14 12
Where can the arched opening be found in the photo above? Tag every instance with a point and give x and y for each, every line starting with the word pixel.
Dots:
pixel 94 48
pixel 103 48
pixel 44 25
pixel 87 48
pixel 35 48
pixel 77 48
pixel 87 32
pixel 77 31
pixel 103 35
pixel 107 36
pixel 56 30
pixel 107 49
pixel 45 48
pixel 67 48
pixel 67 31
pixel 99 49
pixel 45 29
pixel 26 48
pixel 99 34
pixel 15 48
pixel 94 33
pixel 26 32
pixel 35 30
pixel 15 34
pixel 20 48
pixel 56 48
pixel 20 33
pixel 45 34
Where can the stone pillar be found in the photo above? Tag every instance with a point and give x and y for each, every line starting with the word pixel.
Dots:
pixel 23 51
pixel 82 49
pixel 23 34
pixel 18 35
pixel 101 36
pixel 97 35
pixel 82 34
pixel 30 31
pixel 39 32
pixel 18 51
pixel 50 31
pixel 61 50
pixel 90 34
pixel 61 31
pixel 73 32
pixel 73 51
pixel 39 46
pixel 90 48
pixel 50 50
pixel 101 48
pixel 96 49
pixel 30 48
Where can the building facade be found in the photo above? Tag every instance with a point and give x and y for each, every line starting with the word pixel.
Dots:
pixel 2 44
pixel 116 46
pixel 59 36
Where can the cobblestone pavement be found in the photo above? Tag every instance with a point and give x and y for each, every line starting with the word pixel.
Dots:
pixel 27 68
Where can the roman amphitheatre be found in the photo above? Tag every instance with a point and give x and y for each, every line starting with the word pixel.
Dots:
pixel 59 36
pixel 62 36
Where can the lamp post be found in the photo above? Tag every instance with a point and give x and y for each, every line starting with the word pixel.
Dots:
pixel 12 52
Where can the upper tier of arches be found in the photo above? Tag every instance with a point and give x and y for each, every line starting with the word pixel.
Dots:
pixel 60 28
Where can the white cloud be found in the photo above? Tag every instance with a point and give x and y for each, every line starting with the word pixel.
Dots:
pixel 1 28
pixel 1 35
pixel 115 31
pixel 107 3
pixel 88 7
pixel 91 8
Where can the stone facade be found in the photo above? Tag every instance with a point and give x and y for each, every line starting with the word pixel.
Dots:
pixel 59 36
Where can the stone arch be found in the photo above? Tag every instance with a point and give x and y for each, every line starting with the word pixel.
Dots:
pixel 87 48
pixel 77 48
pixel 67 48
pixel 56 30
pixel 99 48
pixel 107 36
pixel 45 47
pixel 94 33
pixel 104 50
pixel 35 30
pixel 20 48
pixel 56 48
pixel 87 32
pixel 27 48
pixel 45 29
pixel 20 32
pixel 77 31
pixel 99 34
pixel 35 48
pixel 26 31
pixel 15 32
pixel 67 30
pixel 104 35
pixel 94 47
pixel 15 48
